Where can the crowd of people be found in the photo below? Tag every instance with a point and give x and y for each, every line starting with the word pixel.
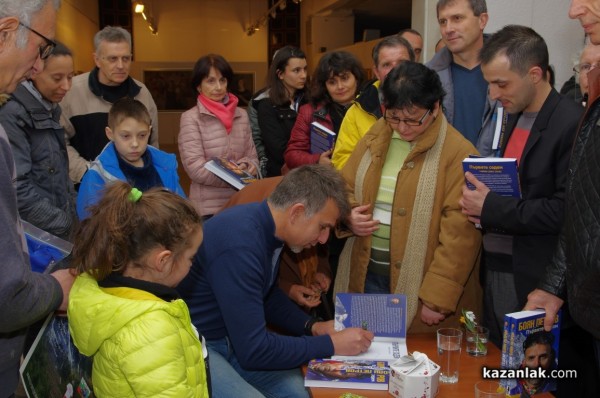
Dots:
pixel 228 293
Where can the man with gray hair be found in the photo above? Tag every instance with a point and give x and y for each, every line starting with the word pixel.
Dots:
pixel 85 107
pixel 232 291
pixel 27 28
pixel 466 104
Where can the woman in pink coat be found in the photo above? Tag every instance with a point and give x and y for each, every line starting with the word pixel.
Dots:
pixel 214 128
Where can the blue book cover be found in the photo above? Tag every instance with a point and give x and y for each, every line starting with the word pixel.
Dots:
pixel 530 346
pixel 499 174
pixel 322 139
pixel 348 373
pixel 382 314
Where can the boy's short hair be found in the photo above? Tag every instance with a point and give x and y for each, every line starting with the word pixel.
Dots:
pixel 128 107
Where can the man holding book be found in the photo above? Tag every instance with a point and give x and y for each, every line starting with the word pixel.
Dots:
pixel 232 296
pixel 520 233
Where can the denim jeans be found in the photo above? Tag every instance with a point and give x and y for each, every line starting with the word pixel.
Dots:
pixel 229 379
pixel 377 284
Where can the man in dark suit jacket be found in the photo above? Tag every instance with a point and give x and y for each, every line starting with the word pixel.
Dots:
pixel 520 235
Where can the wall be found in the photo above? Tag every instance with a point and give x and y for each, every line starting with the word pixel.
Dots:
pixel 563 36
pixel 186 30
pixel 76 25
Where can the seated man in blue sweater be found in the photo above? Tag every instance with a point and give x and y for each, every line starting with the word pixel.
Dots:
pixel 232 293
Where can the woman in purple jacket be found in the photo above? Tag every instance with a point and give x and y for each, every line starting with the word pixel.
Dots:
pixel 214 128
pixel 336 83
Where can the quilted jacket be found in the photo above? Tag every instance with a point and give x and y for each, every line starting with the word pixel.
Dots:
pixel 363 113
pixel 574 273
pixel 298 152
pixel 202 136
pixel 142 345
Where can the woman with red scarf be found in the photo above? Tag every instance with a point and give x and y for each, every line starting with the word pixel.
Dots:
pixel 214 128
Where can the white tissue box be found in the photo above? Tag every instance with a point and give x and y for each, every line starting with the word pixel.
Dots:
pixel 414 376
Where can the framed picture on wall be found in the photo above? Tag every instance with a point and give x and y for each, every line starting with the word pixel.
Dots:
pixel 170 88
pixel 242 87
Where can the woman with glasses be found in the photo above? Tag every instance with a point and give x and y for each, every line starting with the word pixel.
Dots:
pixel 278 105
pixel 335 84
pixel 215 128
pixel 407 232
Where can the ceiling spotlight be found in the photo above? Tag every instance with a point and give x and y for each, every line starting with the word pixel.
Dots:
pixel 138 7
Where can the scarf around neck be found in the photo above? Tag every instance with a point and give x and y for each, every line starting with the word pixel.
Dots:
pixel 224 111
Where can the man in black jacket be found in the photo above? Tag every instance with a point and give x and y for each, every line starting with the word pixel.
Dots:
pixel 574 272
pixel 520 233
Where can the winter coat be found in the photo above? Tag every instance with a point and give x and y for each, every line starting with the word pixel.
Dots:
pixel 105 169
pixel 142 345
pixel 574 272
pixel 297 152
pixel 45 194
pixel 85 116
pixel 450 274
pixel 202 137
pixel 365 111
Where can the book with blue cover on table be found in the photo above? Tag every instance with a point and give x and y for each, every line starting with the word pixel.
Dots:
pixel 322 139
pixel 500 175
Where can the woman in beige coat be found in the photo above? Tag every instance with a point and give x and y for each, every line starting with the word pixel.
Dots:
pixel 407 232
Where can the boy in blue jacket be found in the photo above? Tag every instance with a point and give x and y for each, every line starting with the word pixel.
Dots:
pixel 128 157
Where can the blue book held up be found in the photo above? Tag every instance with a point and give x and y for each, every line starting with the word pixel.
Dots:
pixel 501 175
pixel 322 139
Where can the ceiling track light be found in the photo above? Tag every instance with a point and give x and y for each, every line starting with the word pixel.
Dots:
pixel 138 7
pixel 271 12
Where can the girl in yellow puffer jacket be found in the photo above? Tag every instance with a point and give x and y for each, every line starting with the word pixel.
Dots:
pixel 123 308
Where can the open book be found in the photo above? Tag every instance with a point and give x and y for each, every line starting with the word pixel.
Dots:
pixel 385 316
pixel 230 172
pixel 382 314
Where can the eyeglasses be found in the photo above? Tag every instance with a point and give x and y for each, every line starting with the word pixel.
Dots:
pixel 408 122
pixel 585 67
pixel 46 49
pixel 114 59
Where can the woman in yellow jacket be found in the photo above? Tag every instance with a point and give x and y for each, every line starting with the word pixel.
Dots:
pixel 409 234
pixel 123 308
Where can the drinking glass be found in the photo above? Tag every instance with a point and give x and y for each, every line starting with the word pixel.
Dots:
pixel 477 341
pixel 448 345
pixel 489 389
